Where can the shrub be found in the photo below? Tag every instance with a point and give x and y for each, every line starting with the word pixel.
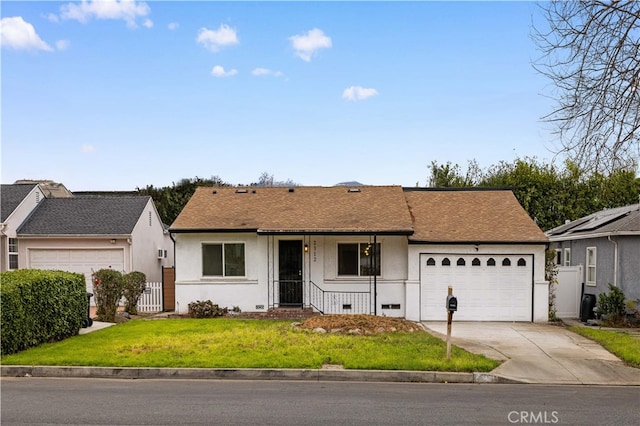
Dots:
pixel 133 286
pixel 40 306
pixel 107 289
pixel 612 304
pixel 205 309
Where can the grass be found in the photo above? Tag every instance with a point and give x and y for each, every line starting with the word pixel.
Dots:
pixel 620 343
pixel 241 343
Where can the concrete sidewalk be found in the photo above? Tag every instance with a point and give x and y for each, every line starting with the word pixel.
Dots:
pixel 539 353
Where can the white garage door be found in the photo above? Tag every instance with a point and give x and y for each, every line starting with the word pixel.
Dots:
pixel 493 287
pixel 84 261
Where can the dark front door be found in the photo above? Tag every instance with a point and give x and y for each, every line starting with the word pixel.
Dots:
pixel 290 277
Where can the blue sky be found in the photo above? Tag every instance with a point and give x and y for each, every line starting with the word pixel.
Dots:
pixel 117 95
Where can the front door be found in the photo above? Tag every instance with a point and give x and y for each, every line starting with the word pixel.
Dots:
pixel 290 276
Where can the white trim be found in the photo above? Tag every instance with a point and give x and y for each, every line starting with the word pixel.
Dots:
pixel 232 278
pixel 591 283
pixel 566 256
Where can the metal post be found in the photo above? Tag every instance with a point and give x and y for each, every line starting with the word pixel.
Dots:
pixel 449 319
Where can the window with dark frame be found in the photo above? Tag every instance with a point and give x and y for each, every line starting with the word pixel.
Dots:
pixel 223 259
pixel 13 253
pixel 358 259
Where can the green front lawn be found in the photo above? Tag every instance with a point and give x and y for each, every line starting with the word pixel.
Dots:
pixel 241 343
pixel 621 344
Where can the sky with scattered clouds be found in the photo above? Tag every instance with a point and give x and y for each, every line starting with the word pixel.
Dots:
pixel 115 95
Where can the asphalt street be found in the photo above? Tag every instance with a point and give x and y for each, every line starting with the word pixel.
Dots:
pixel 72 401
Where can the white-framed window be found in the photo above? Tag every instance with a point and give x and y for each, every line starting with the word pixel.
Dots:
pixel 558 256
pixel 567 256
pixel 591 266
pixel 358 259
pixel 13 253
pixel 223 260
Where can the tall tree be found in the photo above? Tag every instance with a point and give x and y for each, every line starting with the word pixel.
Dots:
pixel 591 53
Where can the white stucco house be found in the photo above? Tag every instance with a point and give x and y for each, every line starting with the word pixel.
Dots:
pixel 383 250
pixel 83 233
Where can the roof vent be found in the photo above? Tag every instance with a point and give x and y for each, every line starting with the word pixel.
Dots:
pixel 291 189
pixel 353 190
pixel 241 191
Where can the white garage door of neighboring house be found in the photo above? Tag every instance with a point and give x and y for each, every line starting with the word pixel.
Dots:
pixel 493 287
pixel 82 260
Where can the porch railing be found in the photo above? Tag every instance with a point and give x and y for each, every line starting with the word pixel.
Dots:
pixel 339 302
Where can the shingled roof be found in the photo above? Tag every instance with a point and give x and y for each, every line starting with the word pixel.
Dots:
pixel 620 220
pixel 85 216
pixel 11 196
pixel 303 209
pixel 470 216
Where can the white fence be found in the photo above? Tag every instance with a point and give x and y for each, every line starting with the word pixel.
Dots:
pixel 151 299
pixel 568 291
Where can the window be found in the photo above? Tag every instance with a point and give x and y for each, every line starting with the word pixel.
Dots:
pixel 558 257
pixel 491 262
pixel 358 259
pixel 522 262
pixel 223 260
pixel 13 253
pixel 461 262
pixel 475 262
pixel 431 262
pixel 506 262
pixel 446 262
pixel 567 257
pixel 591 266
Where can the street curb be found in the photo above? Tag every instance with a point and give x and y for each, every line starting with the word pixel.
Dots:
pixel 251 374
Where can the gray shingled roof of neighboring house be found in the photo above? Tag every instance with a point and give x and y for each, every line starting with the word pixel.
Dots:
pixel 618 220
pixel 85 216
pixel 11 196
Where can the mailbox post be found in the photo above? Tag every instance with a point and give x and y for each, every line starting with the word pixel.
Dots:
pixel 451 305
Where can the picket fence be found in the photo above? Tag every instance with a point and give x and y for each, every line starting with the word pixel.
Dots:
pixel 151 299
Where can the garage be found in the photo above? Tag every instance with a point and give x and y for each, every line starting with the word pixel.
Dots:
pixel 79 260
pixel 489 287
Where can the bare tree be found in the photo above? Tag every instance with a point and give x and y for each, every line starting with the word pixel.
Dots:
pixel 591 53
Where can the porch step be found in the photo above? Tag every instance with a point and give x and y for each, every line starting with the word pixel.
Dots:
pixel 282 313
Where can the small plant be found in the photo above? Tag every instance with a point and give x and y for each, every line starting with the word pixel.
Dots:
pixel 133 285
pixel 107 289
pixel 205 309
pixel 611 305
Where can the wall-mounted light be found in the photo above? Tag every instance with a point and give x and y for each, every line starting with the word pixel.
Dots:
pixel 306 248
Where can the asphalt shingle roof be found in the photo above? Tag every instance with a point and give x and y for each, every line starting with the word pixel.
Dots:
pixel 609 221
pixel 470 216
pixel 339 209
pixel 11 196
pixel 85 216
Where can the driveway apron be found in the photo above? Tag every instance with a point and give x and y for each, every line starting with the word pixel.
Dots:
pixel 539 353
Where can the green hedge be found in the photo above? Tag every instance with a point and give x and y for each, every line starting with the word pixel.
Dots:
pixel 40 306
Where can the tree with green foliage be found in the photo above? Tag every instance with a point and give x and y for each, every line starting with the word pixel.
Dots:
pixel 549 194
pixel 107 289
pixel 170 200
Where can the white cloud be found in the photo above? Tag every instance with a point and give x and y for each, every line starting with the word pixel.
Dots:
pixel 266 71
pixel 127 10
pixel 218 71
pixel 51 17
pixel 87 149
pixel 306 45
pixel 62 44
pixel 173 26
pixel 358 93
pixel 148 23
pixel 214 40
pixel 16 33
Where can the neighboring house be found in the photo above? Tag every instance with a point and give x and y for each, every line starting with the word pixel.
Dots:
pixel 16 204
pixel 607 245
pixel 383 250
pixel 82 233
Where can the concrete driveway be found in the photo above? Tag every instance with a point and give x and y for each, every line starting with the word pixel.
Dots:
pixel 539 353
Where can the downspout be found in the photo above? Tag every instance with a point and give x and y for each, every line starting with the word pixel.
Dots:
pixel 615 261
